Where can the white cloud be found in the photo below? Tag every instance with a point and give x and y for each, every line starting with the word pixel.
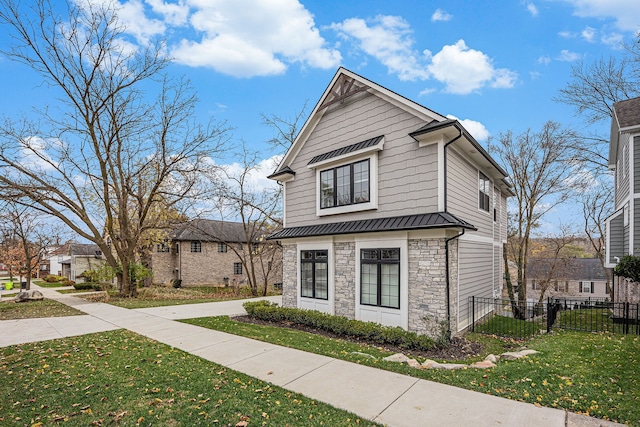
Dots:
pixel 476 129
pixel 566 34
pixel 441 16
pixel 388 39
pixel 534 75
pixel 613 39
pixel 625 13
pixel 532 9
pixel 588 34
pixel 256 180
pixel 242 40
pixel 568 56
pixel 464 70
pixel 544 60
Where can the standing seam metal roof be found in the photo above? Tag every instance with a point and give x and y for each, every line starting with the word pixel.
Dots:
pixel 345 150
pixel 405 222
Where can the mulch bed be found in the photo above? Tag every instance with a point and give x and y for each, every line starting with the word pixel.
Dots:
pixel 458 349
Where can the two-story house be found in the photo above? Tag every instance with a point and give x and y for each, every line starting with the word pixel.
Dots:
pixel 393 213
pixel 577 278
pixel 213 252
pixel 623 226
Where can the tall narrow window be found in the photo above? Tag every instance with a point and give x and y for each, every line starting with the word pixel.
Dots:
pixel 380 277
pixel 237 268
pixel 345 185
pixel 196 246
pixel 222 247
pixel 314 274
pixel 483 191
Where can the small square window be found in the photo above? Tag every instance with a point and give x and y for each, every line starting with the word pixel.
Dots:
pixel 196 246
pixel 237 268
pixel 162 247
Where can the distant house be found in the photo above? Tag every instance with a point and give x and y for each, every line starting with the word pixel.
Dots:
pixel 393 213
pixel 570 277
pixel 623 226
pixel 72 259
pixel 211 252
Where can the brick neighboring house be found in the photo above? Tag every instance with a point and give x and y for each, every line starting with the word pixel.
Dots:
pixel 203 252
pixel 572 278
pixel 393 213
pixel 72 259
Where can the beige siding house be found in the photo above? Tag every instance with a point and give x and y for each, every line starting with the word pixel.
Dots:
pixel 393 213
pixel 579 278
pixel 210 252
pixel 72 259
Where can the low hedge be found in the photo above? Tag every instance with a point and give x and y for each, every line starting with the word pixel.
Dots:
pixel 367 331
pixel 87 286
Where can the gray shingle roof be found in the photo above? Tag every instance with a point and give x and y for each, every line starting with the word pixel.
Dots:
pixel 406 222
pixel 346 150
pixel 284 171
pixel 209 230
pixel 567 269
pixel 628 112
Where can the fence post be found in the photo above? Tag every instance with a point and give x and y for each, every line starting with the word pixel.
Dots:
pixel 548 314
pixel 626 317
pixel 473 313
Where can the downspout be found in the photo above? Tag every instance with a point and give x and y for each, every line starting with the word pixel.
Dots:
pixel 448 280
pixel 446 242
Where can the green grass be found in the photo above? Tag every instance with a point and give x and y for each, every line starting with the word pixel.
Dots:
pixel 159 296
pixel 75 291
pixel 510 327
pixel 594 374
pixel 591 319
pixel 10 310
pixel 44 284
pixel 120 378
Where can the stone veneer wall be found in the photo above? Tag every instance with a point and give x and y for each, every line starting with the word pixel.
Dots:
pixel 345 280
pixel 428 285
pixel 289 275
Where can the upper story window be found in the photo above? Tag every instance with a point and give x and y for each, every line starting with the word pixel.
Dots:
pixel 196 246
pixel 345 185
pixel 484 188
pixel 162 247
pixel 222 247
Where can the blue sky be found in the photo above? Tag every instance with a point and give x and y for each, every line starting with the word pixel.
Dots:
pixel 495 65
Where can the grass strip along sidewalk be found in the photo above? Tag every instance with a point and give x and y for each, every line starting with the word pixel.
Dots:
pixel 123 378
pixel 588 373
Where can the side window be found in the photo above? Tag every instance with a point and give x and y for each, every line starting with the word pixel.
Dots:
pixel 196 246
pixel 484 188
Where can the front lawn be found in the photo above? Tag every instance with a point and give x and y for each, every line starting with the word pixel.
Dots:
pixel 158 296
pixel 594 374
pixel 120 378
pixel 10 310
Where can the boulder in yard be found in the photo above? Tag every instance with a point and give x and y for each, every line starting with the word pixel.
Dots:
pixel 31 295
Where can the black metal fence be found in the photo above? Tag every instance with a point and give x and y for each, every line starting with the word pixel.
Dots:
pixel 517 319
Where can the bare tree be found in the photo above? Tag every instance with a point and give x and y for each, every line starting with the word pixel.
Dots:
pixel 552 256
pixel 542 168
pixel 27 234
pixel 286 129
pixel 259 211
pixel 106 154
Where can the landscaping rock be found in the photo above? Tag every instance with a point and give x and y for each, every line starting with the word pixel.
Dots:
pixel 32 295
pixel 511 355
pixel 413 363
pixel 450 366
pixel 398 357
pixel 491 358
pixel 485 364
pixel 428 364
pixel 527 352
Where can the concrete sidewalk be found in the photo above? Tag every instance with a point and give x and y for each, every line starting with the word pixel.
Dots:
pixel 381 396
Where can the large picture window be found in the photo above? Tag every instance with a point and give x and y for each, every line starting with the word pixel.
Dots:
pixel 484 188
pixel 345 185
pixel 380 277
pixel 314 274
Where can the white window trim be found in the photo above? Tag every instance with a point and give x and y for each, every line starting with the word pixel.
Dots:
pixel 318 303
pixel 489 194
pixel 373 185
pixel 403 312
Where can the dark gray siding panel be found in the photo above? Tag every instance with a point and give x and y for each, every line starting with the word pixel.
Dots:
pixel 625 240
pixel 636 227
pixel 616 238
pixel 475 276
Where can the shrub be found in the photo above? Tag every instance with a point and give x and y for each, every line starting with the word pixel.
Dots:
pixel 87 286
pixel 367 331
pixel 52 278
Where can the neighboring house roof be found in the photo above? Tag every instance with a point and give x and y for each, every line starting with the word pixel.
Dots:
pixel 82 249
pixel 210 230
pixel 567 269
pixel 406 222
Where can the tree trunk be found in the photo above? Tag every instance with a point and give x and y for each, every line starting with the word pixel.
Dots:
pixel 507 277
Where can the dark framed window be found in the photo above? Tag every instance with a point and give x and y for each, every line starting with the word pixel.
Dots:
pixel 314 274
pixel 222 247
pixel 484 188
pixel 345 185
pixel 196 246
pixel 587 287
pixel 162 247
pixel 237 268
pixel 380 277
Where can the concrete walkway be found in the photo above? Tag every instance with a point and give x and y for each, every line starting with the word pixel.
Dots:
pixel 385 397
